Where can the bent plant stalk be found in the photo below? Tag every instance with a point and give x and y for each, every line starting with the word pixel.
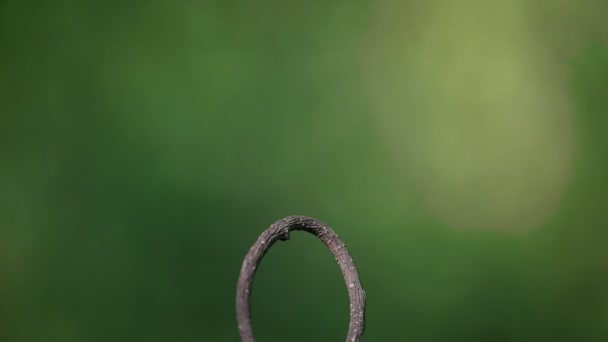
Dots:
pixel 280 231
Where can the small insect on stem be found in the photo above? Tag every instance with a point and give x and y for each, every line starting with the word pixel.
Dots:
pixel 280 231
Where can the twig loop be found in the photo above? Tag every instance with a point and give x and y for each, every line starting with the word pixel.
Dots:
pixel 280 231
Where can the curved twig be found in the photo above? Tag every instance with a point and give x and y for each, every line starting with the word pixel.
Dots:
pixel 280 231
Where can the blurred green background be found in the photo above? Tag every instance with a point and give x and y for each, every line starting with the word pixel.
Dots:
pixel 460 149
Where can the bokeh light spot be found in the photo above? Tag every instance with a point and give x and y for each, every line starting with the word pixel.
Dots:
pixel 473 111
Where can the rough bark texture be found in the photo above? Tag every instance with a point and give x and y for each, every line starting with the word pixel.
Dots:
pixel 280 231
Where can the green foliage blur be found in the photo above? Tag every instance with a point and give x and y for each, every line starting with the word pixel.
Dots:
pixel 144 145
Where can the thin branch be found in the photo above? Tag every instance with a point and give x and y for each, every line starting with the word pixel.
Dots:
pixel 280 231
